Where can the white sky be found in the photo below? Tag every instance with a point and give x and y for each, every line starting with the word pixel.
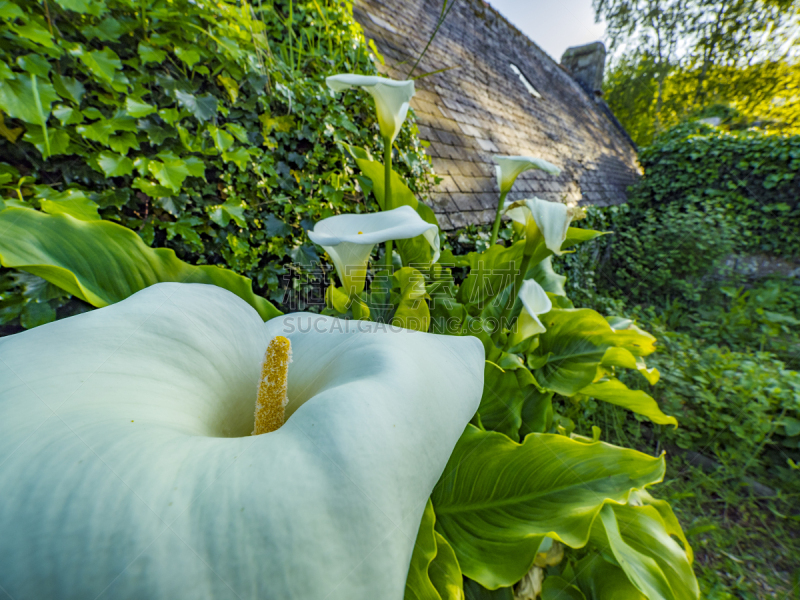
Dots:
pixel 554 25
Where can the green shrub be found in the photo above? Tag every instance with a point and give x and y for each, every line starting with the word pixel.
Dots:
pixel 205 128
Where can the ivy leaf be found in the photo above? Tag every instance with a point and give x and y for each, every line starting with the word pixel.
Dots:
pixel 151 189
pixel 114 165
pixel 197 168
pixel 68 88
pixel 202 107
pixel 122 142
pixel 239 132
pixel 35 32
pixel 11 135
pixel 188 56
pixel 34 64
pixel 5 72
pixel 223 213
pixel 149 54
pixel 239 156
pixel 102 63
pixel 412 310
pixel 78 6
pixel 9 10
pixel 58 139
pixel 170 173
pixel 17 100
pixel 222 140
pixel 138 109
pixel 101 130
pixel 276 227
pixel 68 115
pixel 230 86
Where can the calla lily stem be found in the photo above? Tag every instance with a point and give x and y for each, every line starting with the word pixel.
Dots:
pixel 387 202
pixel 496 227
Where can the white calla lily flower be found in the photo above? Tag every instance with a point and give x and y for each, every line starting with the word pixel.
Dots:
pixel 349 239
pixel 392 98
pixel 508 168
pixel 535 302
pixel 552 218
pixel 128 471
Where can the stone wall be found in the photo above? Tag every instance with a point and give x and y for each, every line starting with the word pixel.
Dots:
pixel 501 94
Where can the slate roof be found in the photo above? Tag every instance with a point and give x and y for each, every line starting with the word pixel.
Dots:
pixel 483 108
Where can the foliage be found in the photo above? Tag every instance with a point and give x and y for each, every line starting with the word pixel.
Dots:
pixel 679 60
pixel 202 127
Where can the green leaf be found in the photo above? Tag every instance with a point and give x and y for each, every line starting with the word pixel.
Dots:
pixel 101 131
pixel 239 156
pixel 102 63
pixel 149 54
pixel 36 313
pixel 122 142
pixel 34 32
pixel 545 276
pixel 17 99
pixel 239 132
pixel 621 357
pixel 9 10
pixel 170 172
pixel 555 588
pixel 222 140
pixel 69 202
pixel 418 584
pixel 639 540
pixel 221 214
pixel 600 580
pixel 614 391
pixel 79 6
pixel 475 591
pixel 138 109
pixel 412 309
pixel 68 88
pixel 497 500
pixel 276 227
pixel 114 165
pixel 573 346
pixel 576 236
pixel 445 573
pixel 34 64
pixel 59 140
pixel 202 107
pixel 101 262
pixel 188 56
pixel 490 273
pixel 67 115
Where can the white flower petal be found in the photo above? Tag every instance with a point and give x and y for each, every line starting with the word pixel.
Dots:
pixel 509 168
pixel 120 476
pixel 392 98
pixel 534 302
pixel 553 219
pixel 349 239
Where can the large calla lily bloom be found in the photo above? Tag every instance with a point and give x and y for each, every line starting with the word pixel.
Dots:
pixel 392 98
pixel 349 240
pixel 535 302
pixel 552 219
pixel 508 168
pixel 128 471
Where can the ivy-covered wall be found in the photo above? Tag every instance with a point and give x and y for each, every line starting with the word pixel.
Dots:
pixel 204 127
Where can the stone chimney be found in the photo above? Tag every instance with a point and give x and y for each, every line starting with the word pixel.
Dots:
pixel 586 65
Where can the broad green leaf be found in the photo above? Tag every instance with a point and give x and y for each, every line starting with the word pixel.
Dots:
pixel 68 88
pixel 102 63
pixel 418 584
pixel 102 130
pixel 223 213
pixel 412 309
pixel 509 393
pixel 149 54
pixel 5 72
pixel 475 591
pixel 614 391
pixel 68 115
pixel 490 273
pixel 555 588
pixel 639 540
pixel 497 500
pixel 576 235
pixel 151 189
pixel 114 165
pixel 621 357
pixel 445 572
pixel 600 580
pixel 101 262
pixel 138 109
pixel 231 87
pixel 122 142
pixel 17 98
pixel 570 351
pixel 239 132
pixel 79 6
pixel 69 202
pixel 546 277
pixel 202 107
pixel 627 335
